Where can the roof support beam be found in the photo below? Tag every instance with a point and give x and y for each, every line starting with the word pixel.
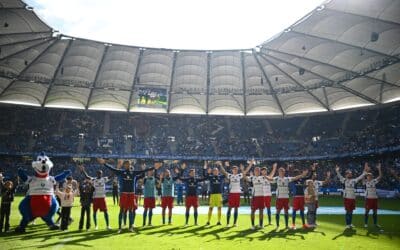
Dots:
pixel 326 97
pixel 294 80
pixel 24 41
pixel 56 72
pixel 363 16
pixel 356 74
pixel 172 80
pixel 139 60
pixel 273 93
pixel 244 83
pixel 381 92
pixel 343 43
pixel 331 81
pixel 27 67
pixel 96 76
pixel 208 81
pixel 26 33
pixel 28 48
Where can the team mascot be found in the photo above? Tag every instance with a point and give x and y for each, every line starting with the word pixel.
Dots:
pixel 40 200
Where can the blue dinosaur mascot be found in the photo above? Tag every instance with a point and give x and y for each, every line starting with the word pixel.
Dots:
pixel 40 200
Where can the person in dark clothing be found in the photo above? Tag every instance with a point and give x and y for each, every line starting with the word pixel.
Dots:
pixel 7 197
pixel 192 183
pixel 86 191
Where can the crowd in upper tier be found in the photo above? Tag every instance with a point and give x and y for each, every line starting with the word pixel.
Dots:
pixel 64 131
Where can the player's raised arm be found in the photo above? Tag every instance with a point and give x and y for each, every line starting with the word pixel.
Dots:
pixel 379 167
pixel 365 171
pixel 245 171
pixel 221 167
pixel 82 169
pixel 273 171
pixel 341 178
pixel 103 162
pixel 302 175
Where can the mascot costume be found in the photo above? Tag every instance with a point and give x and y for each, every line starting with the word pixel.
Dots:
pixel 40 200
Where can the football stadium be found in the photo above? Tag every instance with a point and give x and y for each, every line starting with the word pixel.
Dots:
pixel 292 144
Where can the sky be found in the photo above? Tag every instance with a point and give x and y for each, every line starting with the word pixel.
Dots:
pixel 176 24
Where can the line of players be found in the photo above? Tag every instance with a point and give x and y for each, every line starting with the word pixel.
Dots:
pixel 305 192
pixel 305 183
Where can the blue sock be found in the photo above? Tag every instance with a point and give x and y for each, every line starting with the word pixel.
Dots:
pixel 277 220
pixel 366 218
pixel 195 217
pixel 228 215
pixel 287 219
pixel 302 217
pixel 150 215
pixel 293 217
pixel 187 217
pixel 350 218
pixel 130 219
pixel 235 216
pixel 348 221
pixel 124 216
pixel 106 218
pixel 95 218
pixel 375 217
pixel 144 217
pixel 269 215
pixel 120 216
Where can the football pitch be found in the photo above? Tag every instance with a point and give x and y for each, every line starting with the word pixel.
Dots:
pixel 330 234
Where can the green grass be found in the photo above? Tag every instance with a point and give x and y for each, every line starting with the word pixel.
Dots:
pixel 329 235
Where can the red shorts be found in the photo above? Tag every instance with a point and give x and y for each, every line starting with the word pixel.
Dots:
pixel 371 204
pixel 282 203
pixel 99 204
pixel 267 201
pixel 298 203
pixel 149 202
pixel 234 200
pixel 192 201
pixel 40 205
pixel 167 201
pixel 257 202
pixel 127 201
pixel 349 204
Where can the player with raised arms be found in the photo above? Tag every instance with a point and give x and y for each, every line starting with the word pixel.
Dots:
pixel 126 177
pixel 167 194
pixel 192 183
pixel 267 189
pixel 99 195
pixel 234 189
pixel 317 185
pixel 282 193
pixel 371 197
pixel 349 194
pixel 216 189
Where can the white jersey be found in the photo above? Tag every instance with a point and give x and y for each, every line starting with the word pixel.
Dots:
pixel 370 189
pixel 234 183
pixel 67 200
pixel 99 187
pixel 41 186
pixel 282 189
pixel 349 186
pixel 258 185
pixel 267 187
pixel 317 185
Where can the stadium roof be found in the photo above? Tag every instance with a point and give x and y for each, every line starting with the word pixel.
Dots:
pixel 344 54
